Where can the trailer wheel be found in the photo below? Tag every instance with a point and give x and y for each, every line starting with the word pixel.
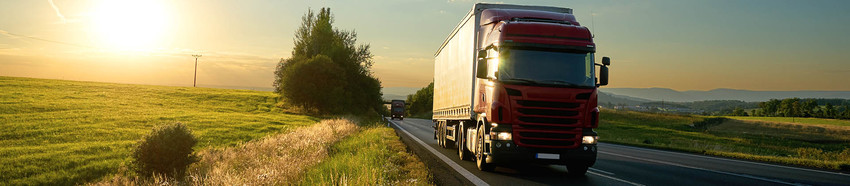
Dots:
pixel 441 135
pixel 577 169
pixel 461 143
pixel 479 153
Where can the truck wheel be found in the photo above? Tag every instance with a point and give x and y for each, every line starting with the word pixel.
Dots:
pixel 577 170
pixel 461 144
pixel 479 153
pixel 441 134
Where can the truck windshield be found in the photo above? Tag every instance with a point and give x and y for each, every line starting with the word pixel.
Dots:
pixel 543 67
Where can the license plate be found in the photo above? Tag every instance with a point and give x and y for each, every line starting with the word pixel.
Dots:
pixel 548 156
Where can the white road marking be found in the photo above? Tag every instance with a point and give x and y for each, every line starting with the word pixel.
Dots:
pixel 733 160
pixel 468 175
pixel 703 169
pixel 613 178
pixel 602 171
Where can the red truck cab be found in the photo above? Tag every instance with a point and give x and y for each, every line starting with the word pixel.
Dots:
pixel 517 84
pixel 538 87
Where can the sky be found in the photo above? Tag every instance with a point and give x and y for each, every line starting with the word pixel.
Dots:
pixel 683 45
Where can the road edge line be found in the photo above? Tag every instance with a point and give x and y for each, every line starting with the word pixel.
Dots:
pixel 731 159
pixel 704 169
pixel 466 174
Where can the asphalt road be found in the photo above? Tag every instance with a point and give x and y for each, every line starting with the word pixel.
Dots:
pixel 616 165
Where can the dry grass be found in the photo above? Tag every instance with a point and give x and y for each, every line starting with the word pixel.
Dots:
pixel 277 160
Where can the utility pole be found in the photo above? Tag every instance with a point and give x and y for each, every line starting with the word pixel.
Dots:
pixel 195 81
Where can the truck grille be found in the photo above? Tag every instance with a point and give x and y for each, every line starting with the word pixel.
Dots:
pixel 546 124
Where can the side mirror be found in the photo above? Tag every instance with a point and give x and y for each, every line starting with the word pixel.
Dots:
pixel 603 75
pixel 606 61
pixel 482 54
pixel 481 70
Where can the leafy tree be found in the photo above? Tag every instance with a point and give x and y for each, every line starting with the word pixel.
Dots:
pixel 337 78
pixel 421 102
pixel 808 108
pixel 770 108
pixel 790 107
pixel 739 112
pixel 314 83
pixel 829 111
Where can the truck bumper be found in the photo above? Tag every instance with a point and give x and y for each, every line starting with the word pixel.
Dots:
pixel 506 152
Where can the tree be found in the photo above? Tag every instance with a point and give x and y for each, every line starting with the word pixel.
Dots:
pixel 770 108
pixel 739 112
pixel 808 108
pixel 790 107
pixel 314 83
pixel 337 77
pixel 422 101
pixel 829 111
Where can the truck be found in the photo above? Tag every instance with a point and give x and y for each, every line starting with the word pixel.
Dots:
pixel 518 84
pixel 397 109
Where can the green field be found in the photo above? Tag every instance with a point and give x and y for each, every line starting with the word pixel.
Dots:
pixel 69 132
pixel 816 121
pixel 817 146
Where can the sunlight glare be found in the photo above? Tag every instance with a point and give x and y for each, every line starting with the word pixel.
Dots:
pixel 130 25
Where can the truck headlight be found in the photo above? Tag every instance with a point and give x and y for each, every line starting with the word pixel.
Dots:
pixel 589 140
pixel 501 135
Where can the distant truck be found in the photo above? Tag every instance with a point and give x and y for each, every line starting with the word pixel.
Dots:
pixel 397 109
pixel 517 84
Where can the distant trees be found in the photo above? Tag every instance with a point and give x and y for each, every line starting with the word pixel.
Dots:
pixel 328 72
pixel 796 107
pixel 739 112
pixel 422 102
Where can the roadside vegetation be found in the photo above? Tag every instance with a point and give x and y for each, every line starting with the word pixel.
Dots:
pixel 56 132
pixel 818 146
pixel 374 156
pixel 274 160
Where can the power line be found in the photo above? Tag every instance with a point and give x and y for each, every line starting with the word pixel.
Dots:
pixel 45 40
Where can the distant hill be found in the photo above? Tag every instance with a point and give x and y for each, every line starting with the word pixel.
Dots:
pixel 613 99
pixel 666 94
pixel 391 93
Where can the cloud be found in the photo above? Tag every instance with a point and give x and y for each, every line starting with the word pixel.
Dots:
pixel 7 34
pixel 59 14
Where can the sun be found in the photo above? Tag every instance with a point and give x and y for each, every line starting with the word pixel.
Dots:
pixel 130 24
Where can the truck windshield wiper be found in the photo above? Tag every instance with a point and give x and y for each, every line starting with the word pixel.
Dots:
pixel 528 81
pixel 560 82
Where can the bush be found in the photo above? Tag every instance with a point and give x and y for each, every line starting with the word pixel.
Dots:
pixel 167 150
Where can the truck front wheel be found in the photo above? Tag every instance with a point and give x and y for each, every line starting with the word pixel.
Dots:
pixel 479 153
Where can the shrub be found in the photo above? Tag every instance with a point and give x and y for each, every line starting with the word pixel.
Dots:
pixel 167 150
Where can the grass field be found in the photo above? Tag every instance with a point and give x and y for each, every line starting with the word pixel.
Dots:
pixel 816 121
pixel 817 146
pixel 55 132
